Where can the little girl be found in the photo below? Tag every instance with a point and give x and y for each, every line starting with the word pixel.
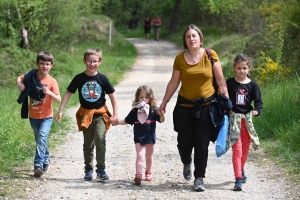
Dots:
pixel 144 116
pixel 242 92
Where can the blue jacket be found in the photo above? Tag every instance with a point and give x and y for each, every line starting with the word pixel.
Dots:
pixel 219 106
pixel 33 89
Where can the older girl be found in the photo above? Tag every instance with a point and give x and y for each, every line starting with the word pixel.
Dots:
pixel 242 92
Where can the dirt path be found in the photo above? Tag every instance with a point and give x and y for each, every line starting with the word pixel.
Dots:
pixel 152 67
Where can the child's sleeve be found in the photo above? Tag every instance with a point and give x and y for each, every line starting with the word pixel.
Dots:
pixel 55 88
pixel 131 117
pixel 258 104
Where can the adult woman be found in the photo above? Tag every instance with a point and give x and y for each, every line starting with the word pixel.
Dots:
pixel 194 125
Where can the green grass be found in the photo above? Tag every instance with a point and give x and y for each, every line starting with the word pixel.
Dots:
pixel 17 144
pixel 279 124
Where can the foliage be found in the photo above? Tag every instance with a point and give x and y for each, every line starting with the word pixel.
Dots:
pixel 266 30
pixel 267 70
pixel 17 143
pixel 127 12
pixel 278 124
pixel 13 61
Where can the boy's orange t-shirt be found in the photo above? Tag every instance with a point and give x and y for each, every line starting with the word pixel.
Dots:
pixel 43 109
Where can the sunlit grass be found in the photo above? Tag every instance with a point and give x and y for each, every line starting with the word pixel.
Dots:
pixel 17 142
pixel 279 124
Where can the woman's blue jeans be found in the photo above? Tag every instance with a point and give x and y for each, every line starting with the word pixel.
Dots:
pixel 41 129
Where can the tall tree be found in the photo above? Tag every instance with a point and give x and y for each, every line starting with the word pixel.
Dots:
pixel 174 18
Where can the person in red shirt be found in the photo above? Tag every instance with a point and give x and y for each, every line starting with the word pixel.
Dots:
pixel 156 23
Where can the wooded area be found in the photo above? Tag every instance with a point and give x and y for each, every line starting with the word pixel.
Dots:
pixel 270 29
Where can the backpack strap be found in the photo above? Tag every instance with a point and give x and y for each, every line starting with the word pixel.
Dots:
pixel 209 56
pixel 212 67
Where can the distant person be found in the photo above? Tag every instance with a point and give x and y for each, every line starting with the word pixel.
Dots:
pixel 93 116
pixel 192 117
pixel 156 23
pixel 147 27
pixel 42 90
pixel 242 92
pixel 144 116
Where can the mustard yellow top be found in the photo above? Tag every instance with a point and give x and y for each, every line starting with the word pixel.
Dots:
pixel 196 79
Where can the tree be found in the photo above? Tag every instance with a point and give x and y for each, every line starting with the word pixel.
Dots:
pixel 174 18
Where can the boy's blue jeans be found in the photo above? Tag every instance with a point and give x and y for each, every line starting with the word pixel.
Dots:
pixel 41 128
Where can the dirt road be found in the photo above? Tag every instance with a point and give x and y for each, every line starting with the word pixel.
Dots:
pixel 153 67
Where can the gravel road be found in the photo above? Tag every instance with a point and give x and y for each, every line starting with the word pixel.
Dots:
pixel 153 67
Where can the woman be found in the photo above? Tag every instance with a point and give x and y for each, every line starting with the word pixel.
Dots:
pixel 193 124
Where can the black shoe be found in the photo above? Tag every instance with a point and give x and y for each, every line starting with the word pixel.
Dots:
pixel 199 184
pixel 244 176
pixel 38 172
pixel 238 184
pixel 88 175
pixel 187 171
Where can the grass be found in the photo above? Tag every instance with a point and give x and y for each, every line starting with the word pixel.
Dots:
pixel 279 122
pixel 277 126
pixel 17 144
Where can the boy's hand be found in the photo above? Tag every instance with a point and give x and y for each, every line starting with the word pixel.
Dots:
pixel 46 90
pixel 114 121
pixel 21 86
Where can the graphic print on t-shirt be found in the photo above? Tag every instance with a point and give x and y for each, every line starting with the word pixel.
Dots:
pixel 91 91
pixel 34 103
pixel 241 97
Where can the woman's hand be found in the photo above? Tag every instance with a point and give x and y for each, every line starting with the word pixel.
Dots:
pixel 222 90
pixel 162 107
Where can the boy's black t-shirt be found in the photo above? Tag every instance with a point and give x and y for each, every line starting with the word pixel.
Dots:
pixel 91 89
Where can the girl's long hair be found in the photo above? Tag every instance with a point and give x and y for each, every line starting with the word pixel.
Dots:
pixel 149 92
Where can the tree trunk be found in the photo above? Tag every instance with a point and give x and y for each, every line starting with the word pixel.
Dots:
pixel 174 19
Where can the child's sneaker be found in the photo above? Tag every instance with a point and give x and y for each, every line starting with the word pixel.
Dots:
pixel 38 171
pixel 88 175
pixel 138 179
pixel 46 168
pixel 148 176
pixel 101 174
pixel 238 184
